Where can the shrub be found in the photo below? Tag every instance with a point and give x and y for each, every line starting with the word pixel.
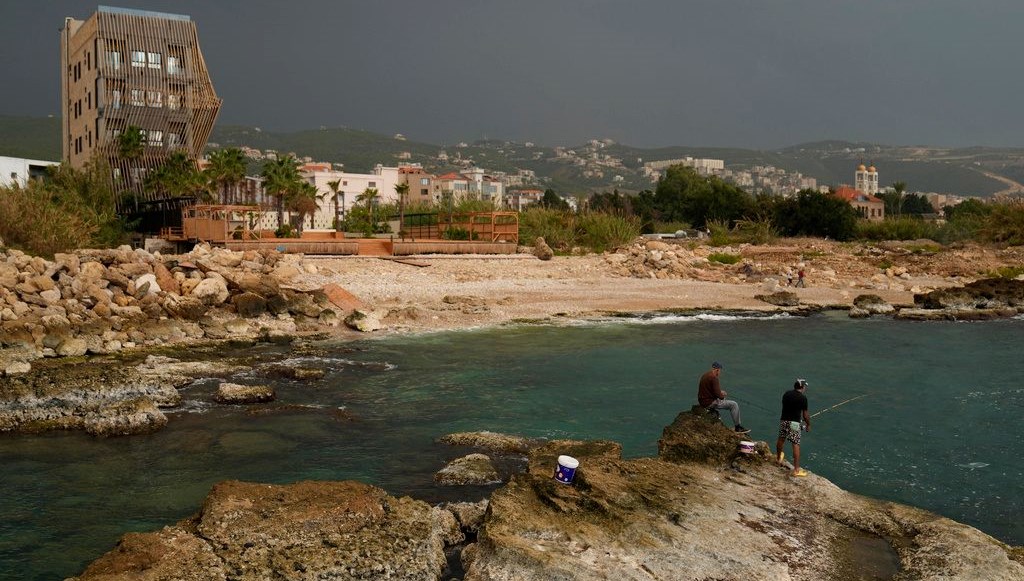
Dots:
pixel 758 230
pixel 599 231
pixel 723 258
pixel 719 233
pixel 1005 224
pixel 554 226
pixel 455 233
pixel 72 209
pixel 903 228
pixel 284 231
pixel 1007 272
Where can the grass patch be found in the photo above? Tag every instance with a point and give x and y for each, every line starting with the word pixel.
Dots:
pixel 1007 272
pixel 724 258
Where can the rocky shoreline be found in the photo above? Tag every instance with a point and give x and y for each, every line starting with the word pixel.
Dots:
pixel 74 331
pixel 700 510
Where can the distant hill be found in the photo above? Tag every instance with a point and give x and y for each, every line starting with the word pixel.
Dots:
pixel 30 137
pixel 977 171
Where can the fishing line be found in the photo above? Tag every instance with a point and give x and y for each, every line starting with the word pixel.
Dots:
pixel 752 404
pixel 840 403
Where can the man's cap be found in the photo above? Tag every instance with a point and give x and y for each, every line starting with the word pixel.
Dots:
pixel 716 365
pixel 800 383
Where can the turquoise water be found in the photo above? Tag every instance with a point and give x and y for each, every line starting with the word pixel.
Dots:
pixel 940 430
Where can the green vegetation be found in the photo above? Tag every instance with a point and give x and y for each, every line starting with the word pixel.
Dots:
pixel 563 231
pixel 73 209
pixel 723 258
pixel 905 228
pixel 1008 272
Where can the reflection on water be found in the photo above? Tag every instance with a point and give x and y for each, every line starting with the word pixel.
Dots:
pixel 942 395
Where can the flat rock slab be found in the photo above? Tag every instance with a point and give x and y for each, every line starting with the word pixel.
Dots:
pixel 233 393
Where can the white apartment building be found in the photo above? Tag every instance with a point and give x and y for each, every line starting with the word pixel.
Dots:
pixel 350 186
pixel 16 170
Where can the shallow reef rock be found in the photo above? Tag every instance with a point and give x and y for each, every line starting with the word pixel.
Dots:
pixel 700 510
pixel 308 530
pixel 493 441
pixel 474 469
pixel 233 393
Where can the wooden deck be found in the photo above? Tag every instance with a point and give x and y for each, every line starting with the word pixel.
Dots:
pixel 371 246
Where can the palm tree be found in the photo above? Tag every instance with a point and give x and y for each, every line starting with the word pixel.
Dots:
pixel 899 188
pixel 369 196
pixel 334 185
pixel 302 201
pixel 226 170
pixel 402 190
pixel 177 176
pixel 280 178
pixel 130 143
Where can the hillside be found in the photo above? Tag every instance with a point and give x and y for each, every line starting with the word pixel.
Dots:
pixel 597 166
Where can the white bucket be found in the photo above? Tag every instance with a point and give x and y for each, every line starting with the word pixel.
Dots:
pixel 566 469
pixel 747 447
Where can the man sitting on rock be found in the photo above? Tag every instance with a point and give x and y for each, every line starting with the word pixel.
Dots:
pixel 711 396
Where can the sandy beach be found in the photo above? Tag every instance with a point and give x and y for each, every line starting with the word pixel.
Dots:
pixel 448 292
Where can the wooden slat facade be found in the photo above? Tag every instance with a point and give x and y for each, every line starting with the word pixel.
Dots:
pixel 123 68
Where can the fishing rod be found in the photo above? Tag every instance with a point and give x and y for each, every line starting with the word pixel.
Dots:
pixel 840 403
pixel 752 404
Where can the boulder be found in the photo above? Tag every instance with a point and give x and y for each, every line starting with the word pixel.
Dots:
pixel 233 393
pixel 780 299
pixel 189 308
pixel 541 249
pixel 493 441
pixel 365 322
pixel 164 279
pixel 696 436
pixel 873 304
pixel 124 418
pixel 211 291
pixel 73 347
pixel 249 305
pixel 474 469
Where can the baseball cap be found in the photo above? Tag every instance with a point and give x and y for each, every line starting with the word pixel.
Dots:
pixel 801 383
pixel 716 365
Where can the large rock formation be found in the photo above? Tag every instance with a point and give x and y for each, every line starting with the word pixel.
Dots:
pixel 701 510
pixel 308 530
pixel 697 513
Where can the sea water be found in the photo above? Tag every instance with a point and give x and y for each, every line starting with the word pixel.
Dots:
pixel 940 428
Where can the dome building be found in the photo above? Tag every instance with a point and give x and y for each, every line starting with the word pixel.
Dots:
pixel 866 180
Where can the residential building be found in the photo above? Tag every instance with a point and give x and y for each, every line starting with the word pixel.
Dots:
pixel 350 187
pixel 124 68
pixel 867 205
pixel 519 199
pixel 422 189
pixel 18 171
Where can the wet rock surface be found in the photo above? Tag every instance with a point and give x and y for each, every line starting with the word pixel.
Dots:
pixel 308 530
pixel 474 469
pixel 701 510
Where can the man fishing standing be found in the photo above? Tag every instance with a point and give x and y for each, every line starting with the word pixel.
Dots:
pixel 794 409
pixel 710 395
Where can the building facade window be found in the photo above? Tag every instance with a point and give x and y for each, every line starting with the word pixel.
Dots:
pixel 138 58
pixel 173 140
pixel 424 181
pixel 154 60
pixel 173 65
pixel 138 97
pixel 154 99
pixel 173 101
pixel 156 138
pixel 114 60
pixel 115 99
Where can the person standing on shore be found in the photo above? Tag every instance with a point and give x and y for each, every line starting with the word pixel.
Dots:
pixel 794 409
pixel 710 395
pixel 800 278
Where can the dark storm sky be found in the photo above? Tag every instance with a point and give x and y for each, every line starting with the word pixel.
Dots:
pixel 745 73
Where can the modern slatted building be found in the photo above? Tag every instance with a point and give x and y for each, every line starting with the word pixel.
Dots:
pixel 123 69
